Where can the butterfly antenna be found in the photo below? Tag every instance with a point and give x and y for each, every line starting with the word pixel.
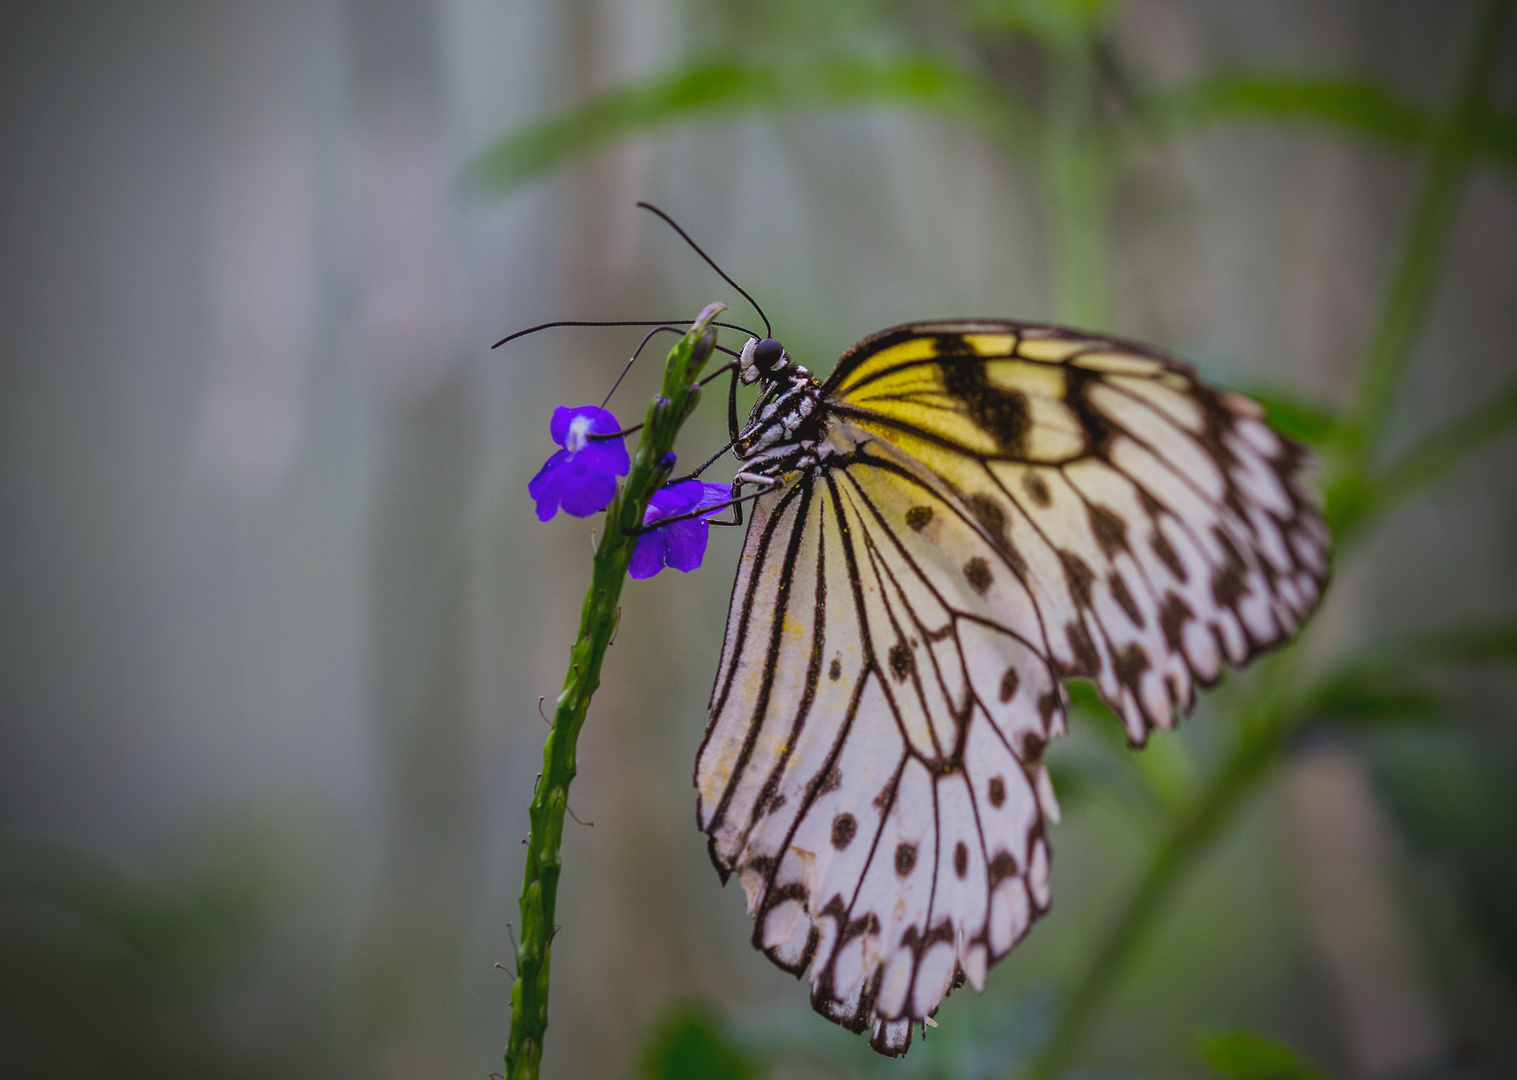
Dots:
pixel 614 322
pixel 710 262
pixel 635 353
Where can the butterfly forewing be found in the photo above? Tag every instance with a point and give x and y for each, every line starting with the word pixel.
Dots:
pixel 1171 535
pixel 1000 506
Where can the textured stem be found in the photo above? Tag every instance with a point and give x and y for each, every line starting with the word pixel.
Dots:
pixel 539 894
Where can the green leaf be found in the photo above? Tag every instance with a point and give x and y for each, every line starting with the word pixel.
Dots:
pixel 1379 687
pixel 1474 643
pixel 1355 106
pixel 165 927
pixel 705 89
pixel 1498 137
pixel 1374 699
pixel 691 1045
pixel 1053 21
pixel 1453 798
pixel 1244 1056
pixel 1349 499
pixel 1290 415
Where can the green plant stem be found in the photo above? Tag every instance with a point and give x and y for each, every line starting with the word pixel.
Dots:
pixel 598 619
pixel 1247 764
pixel 1450 151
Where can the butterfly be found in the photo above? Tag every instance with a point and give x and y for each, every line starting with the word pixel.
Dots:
pixel 961 517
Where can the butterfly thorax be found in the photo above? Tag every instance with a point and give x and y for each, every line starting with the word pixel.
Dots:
pixel 788 423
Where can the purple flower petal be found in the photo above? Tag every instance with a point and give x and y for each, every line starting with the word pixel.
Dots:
pixel 547 487
pixel 580 479
pixel 685 544
pixel 680 544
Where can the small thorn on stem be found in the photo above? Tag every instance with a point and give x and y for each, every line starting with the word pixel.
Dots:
pixel 616 628
pixel 586 824
pixel 540 711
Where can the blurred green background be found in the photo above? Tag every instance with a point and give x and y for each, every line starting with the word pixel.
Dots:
pixel 275 613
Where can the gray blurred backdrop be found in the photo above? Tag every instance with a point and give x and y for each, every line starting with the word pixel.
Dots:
pixel 275 612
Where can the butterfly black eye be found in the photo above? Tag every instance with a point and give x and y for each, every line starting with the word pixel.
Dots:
pixel 767 353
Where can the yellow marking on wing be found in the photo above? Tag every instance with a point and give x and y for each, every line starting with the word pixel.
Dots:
pixel 991 344
pixel 1030 378
pixel 1123 363
pixel 919 348
pixel 1050 350
pixel 952 426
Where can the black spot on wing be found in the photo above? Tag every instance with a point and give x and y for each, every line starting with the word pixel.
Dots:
pixel 1080 576
pixel 1173 616
pixel 918 517
pixel 1167 555
pixel 1003 866
pixel 901 662
pixel 1087 661
pixel 1124 598
pixel 977 573
pixel 905 859
pixel 1109 529
pixel 1130 663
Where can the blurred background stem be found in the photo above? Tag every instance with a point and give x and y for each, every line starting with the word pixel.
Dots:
pixel 1260 734
pixel 1449 152
pixel 1075 184
pixel 598 620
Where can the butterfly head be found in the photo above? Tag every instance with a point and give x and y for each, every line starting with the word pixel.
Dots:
pixel 761 359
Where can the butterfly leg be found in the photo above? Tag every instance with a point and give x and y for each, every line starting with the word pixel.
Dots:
pixel 712 460
pixel 736 503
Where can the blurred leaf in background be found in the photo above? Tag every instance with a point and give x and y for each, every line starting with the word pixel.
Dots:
pixel 692 1044
pixel 1245 1056
pixel 1453 797
pixel 105 972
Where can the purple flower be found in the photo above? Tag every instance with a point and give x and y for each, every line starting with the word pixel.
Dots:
pixel 582 476
pixel 681 544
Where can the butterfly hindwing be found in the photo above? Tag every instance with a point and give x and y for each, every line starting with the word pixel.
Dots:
pixel 885 828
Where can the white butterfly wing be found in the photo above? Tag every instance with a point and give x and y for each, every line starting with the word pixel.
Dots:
pixel 861 773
